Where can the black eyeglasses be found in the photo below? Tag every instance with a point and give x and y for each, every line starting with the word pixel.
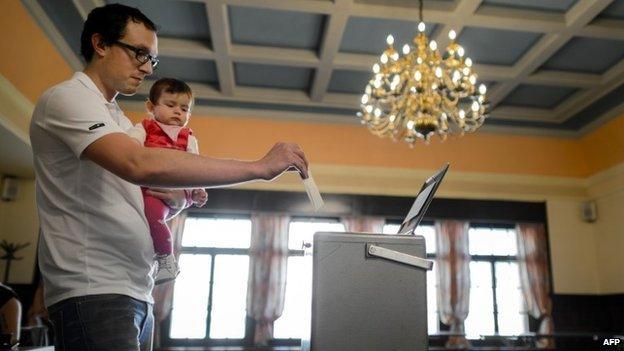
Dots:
pixel 141 55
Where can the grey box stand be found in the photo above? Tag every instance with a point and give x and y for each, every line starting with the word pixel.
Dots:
pixel 368 293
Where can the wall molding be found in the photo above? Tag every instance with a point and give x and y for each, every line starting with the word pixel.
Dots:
pixel 339 179
pixel 609 182
pixel 15 110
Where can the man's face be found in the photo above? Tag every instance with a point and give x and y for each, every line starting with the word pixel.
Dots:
pixel 124 73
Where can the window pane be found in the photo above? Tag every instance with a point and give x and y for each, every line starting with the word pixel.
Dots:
pixel 190 298
pixel 229 297
pixel 303 231
pixel 217 232
pixel 508 293
pixel 487 241
pixel 428 231
pixel 391 228
pixel 480 319
pixel 512 317
pixel 295 320
pixel 512 323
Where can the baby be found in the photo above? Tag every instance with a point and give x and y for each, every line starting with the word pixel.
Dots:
pixel 169 106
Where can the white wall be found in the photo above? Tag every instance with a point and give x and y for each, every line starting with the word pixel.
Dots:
pixel 607 190
pixel 572 248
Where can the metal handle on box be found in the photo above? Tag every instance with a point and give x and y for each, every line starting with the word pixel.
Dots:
pixel 400 257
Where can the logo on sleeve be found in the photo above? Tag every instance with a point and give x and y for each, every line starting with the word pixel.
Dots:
pixel 96 126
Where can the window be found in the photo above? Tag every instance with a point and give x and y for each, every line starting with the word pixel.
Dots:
pixel 209 298
pixel 428 232
pixel 296 317
pixel 496 303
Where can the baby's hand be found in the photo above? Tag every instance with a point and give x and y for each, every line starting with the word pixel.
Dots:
pixel 199 197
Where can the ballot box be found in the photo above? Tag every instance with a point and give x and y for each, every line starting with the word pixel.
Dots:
pixel 368 293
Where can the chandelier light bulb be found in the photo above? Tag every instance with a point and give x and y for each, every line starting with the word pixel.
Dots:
pixel 406 49
pixel 468 62
pixel 462 114
pixel 384 58
pixel 466 71
pixel 376 68
pixel 418 75
pixel 396 79
pixel 392 118
pixel 421 27
pixel 475 106
pixel 456 76
pixel 368 90
pixel 377 83
pixel 364 99
pixel 390 39
pixel 419 61
pixel 377 112
pixel 480 99
pixel 473 79
pixel 410 124
pixel 369 108
pixel 438 72
pixel 460 51
pixel 395 56
pixel 433 45
pixel 452 34
pixel 482 89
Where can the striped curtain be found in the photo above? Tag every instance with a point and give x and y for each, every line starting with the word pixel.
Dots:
pixel 535 278
pixel 362 224
pixel 266 288
pixel 453 261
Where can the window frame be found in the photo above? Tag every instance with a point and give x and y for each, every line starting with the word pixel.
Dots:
pixel 247 340
pixel 492 260
pixel 299 253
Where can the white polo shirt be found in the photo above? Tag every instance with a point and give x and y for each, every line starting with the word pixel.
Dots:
pixel 94 235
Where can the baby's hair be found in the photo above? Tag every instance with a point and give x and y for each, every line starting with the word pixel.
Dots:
pixel 169 85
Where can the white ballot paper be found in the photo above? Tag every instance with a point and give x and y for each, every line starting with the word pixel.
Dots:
pixel 313 193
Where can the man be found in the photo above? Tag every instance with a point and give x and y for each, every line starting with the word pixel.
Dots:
pixel 95 251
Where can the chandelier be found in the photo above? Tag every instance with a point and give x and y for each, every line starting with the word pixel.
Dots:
pixel 422 93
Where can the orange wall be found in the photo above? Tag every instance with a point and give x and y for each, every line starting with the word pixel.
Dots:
pixel 248 138
pixel 604 147
pixel 28 59
pixel 32 64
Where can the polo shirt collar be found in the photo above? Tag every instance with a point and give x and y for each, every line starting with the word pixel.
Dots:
pixel 88 82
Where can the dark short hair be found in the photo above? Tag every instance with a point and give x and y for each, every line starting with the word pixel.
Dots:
pixel 110 21
pixel 169 85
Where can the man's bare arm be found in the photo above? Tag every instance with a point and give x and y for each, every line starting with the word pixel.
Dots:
pixel 121 155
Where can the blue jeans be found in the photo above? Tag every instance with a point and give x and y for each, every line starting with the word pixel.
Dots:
pixel 108 322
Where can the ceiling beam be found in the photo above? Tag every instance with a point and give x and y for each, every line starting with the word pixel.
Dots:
pixel 332 37
pixel 53 34
pixel 218 21
pixel 578 16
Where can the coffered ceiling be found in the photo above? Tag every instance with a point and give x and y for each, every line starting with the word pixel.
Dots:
pixel 552 67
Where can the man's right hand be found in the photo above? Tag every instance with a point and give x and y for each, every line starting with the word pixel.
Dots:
pixel 283 157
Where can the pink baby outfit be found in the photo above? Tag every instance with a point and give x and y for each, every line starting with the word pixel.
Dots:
pixel 161 135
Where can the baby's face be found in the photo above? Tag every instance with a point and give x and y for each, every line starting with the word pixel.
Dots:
pixel 173 109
